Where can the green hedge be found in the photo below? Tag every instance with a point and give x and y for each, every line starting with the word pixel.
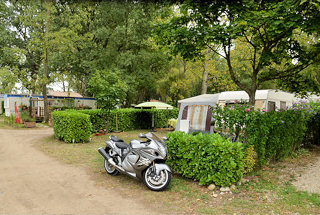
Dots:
pixel 71 126
pixel 96 118
pixel 276 134
pixel 208 158
pixel 130 118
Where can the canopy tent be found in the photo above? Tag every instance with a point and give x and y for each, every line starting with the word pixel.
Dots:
pixel 157 105
pixel 196 111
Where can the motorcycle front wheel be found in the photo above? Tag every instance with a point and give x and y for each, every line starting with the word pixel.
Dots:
pixel 156 182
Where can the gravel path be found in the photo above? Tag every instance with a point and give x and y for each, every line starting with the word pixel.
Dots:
pixel 309 179
pixel 34 183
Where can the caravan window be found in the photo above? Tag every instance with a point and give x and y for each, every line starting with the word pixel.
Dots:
pixel 271 106
pixel 197 115
pixel 185 113
pixel 232 103
pixel 283 105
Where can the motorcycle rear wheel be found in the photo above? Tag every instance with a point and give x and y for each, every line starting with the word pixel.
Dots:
pixel 154 182
pixel 111 170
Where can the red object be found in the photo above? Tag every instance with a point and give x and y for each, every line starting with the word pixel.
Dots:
pixel 16 113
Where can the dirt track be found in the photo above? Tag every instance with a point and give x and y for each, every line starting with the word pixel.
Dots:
pixel 33 183
pixel 309 179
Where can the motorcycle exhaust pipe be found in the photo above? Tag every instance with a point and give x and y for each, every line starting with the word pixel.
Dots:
pixel 104 154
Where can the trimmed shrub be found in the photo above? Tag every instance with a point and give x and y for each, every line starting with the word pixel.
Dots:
pixel 96 119
pixel 274 135
pixel 161 116
pixel 130 118
pixel 71 126
pixel 208 158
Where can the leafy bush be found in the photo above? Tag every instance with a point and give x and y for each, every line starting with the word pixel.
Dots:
pixel 275 135
pixel 71 126
pixel 172 123
pixel 208 158
pixel 161 116
pixel 96 119
pixel 249 159
pixel 313 121
pixel 24 115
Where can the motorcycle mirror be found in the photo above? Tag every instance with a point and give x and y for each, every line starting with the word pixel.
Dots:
pixel 142 135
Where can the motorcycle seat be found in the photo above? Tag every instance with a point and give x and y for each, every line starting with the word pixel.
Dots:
pixel 122 145
pixel 116 139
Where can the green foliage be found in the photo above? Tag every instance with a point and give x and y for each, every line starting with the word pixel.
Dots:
pixel 7 80
pixel 71 126
pixel 130 119
pixel 249 159
pixel 2 107
pixel 208 158
pixel 108 88
pixel 185 77
pixel 25 116
pixel 172 123
pixel 96 118
pixel 265 31
pixel 275 135
pixel 313 120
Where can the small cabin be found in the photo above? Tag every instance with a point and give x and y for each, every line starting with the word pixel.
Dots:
pixel 35 103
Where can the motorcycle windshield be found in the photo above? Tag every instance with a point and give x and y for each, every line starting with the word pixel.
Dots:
pixel 157 139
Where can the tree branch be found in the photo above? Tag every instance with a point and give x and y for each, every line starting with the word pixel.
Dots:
pixel 316 79
pixel 231 71
pixel 212 49
pixel 286 73
pixel 247 39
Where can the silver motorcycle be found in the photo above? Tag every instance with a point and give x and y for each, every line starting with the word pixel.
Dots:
pixel 144 160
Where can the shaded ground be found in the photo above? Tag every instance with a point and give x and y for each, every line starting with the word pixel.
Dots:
pixel 308 180
pixel 34 183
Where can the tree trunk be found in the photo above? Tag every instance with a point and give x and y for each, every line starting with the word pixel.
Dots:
pixel 204 86
pixel 254 87
pixel 252 98
pixel 204 79
pixel 184 73
pixel 46 67
pixel 250 91
pixel 63 86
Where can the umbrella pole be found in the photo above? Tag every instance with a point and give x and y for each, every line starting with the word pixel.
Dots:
pixel 153 122
pixel 117 124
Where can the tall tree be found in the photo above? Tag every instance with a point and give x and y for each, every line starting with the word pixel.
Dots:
pixel 109 90
pixel 267 27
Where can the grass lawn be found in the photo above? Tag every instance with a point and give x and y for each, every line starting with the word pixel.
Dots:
pixel 266 191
